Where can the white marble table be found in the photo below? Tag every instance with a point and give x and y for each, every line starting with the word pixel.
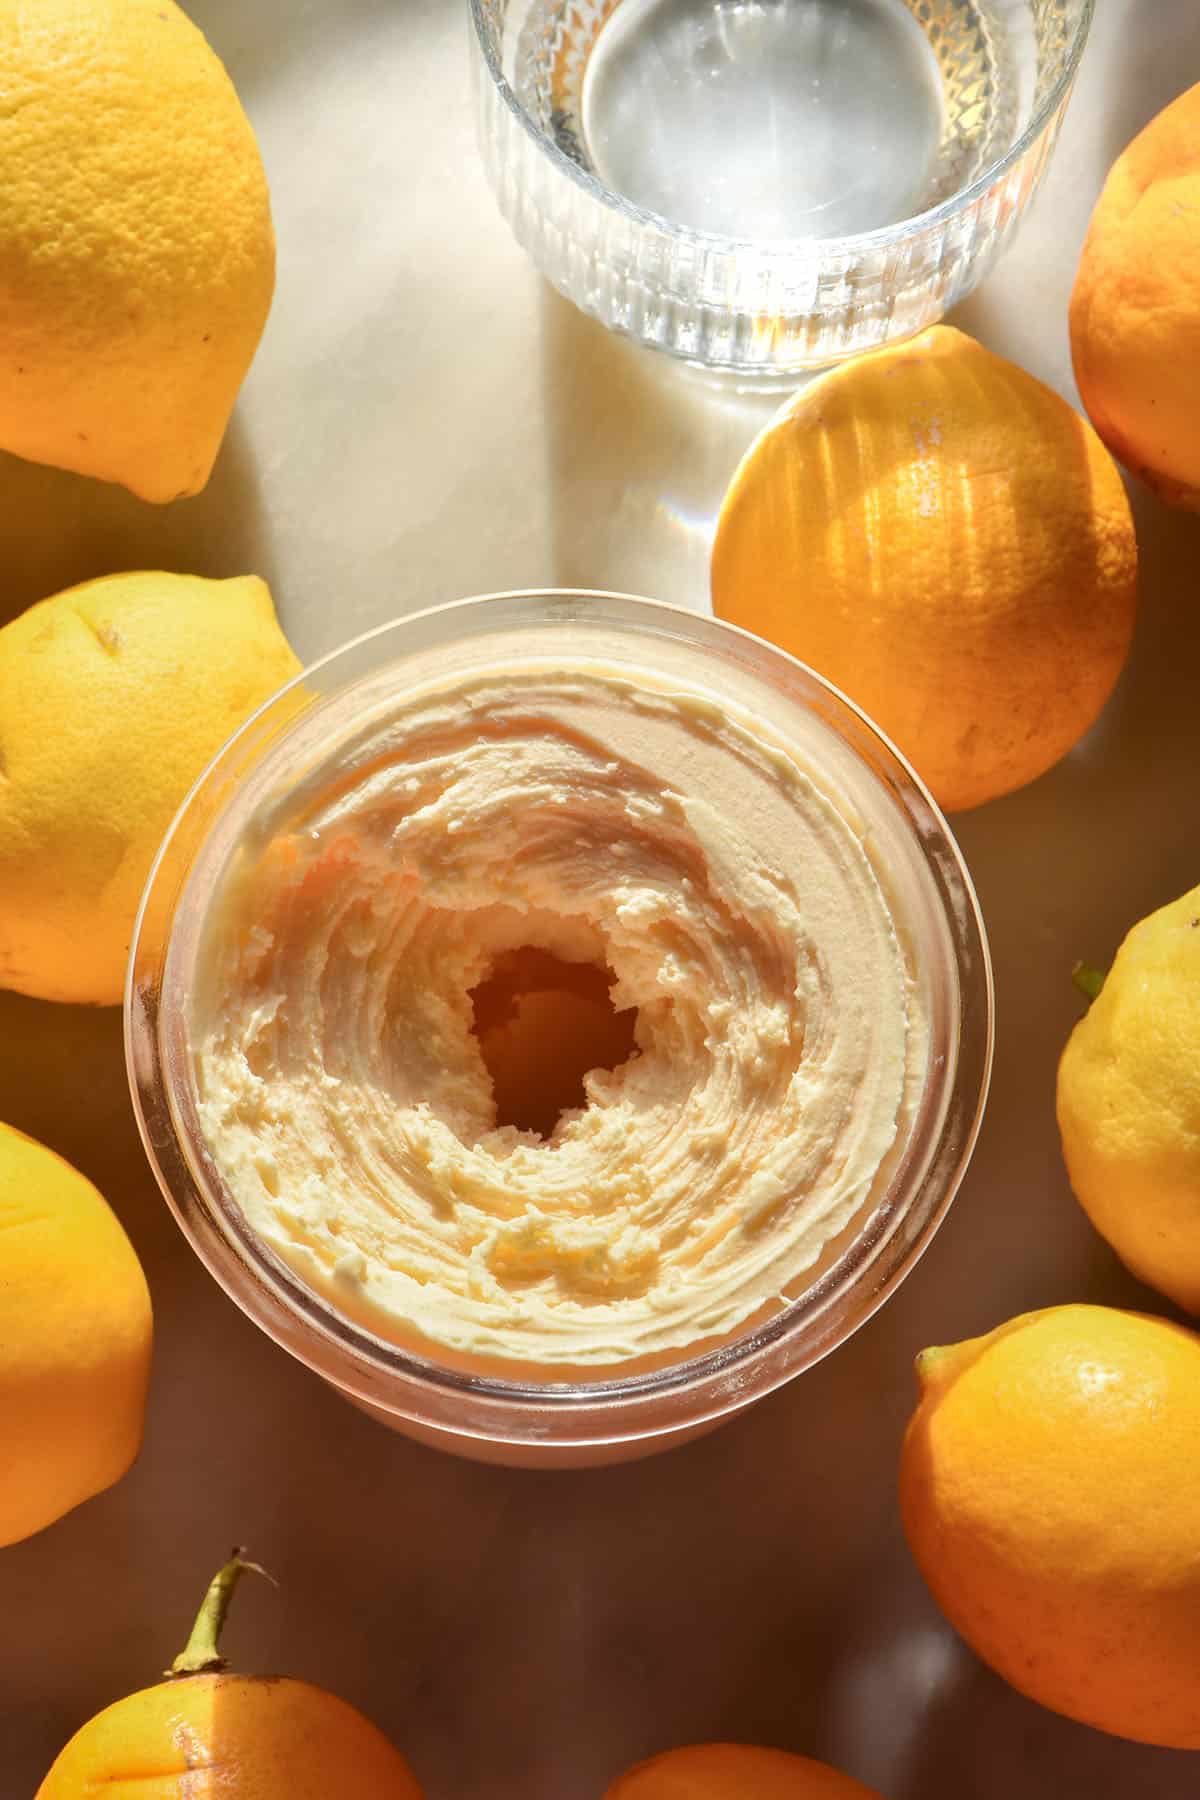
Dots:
pixel 425 421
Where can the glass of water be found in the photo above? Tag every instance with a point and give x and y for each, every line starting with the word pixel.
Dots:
pixel 769 185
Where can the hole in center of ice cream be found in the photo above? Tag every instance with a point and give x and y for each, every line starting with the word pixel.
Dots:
pixel 542 1025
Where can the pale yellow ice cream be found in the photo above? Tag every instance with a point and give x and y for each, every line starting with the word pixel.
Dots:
pixel 781 1036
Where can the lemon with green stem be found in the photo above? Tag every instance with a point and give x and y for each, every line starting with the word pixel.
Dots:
pixel 204 1733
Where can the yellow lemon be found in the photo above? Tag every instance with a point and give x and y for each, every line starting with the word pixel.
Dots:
pixel 945 539
pixel 113 697
pixel 207 1734
pixel 1135 306
pixel 137 257
pixel 1050 1492
pixel 1129 1102
pixel 75 1334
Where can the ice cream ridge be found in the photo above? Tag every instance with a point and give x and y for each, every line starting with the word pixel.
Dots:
pixel 554 883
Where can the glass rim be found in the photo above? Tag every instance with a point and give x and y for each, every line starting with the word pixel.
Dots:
pixel 356 1359
pixel 793 249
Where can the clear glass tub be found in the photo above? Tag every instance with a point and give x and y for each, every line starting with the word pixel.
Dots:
pixel 654 1402
pixel 772 185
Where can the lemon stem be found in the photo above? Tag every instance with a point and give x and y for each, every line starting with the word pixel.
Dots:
pixel 1088 980
pixel 201 1655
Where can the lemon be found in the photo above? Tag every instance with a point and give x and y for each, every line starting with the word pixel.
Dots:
pixel 137 257
pixel 75 1337
pixel 735 1772
pixel 1050 1493
pixel 945 539
pixel 1135 306
pixel 208 1733
pixel 113 697
pixel 1129 1102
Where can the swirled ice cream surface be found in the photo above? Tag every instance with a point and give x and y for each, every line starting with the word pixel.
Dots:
pixel 781 1040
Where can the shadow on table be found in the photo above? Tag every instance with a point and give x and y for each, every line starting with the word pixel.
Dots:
pixel 62 1077
pixel 640 450
pixel 683 1592
pixel 57 528
pixel 1157 58
pixel 1155 703
pixel 981 1738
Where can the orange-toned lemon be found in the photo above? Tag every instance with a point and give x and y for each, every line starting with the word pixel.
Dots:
pixel 944 538
pixel 1135 307
pixel 1050 1491
pixel 203 1735
pixel 735 1772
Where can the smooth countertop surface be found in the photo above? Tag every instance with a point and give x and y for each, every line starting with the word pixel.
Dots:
pixel 426 420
